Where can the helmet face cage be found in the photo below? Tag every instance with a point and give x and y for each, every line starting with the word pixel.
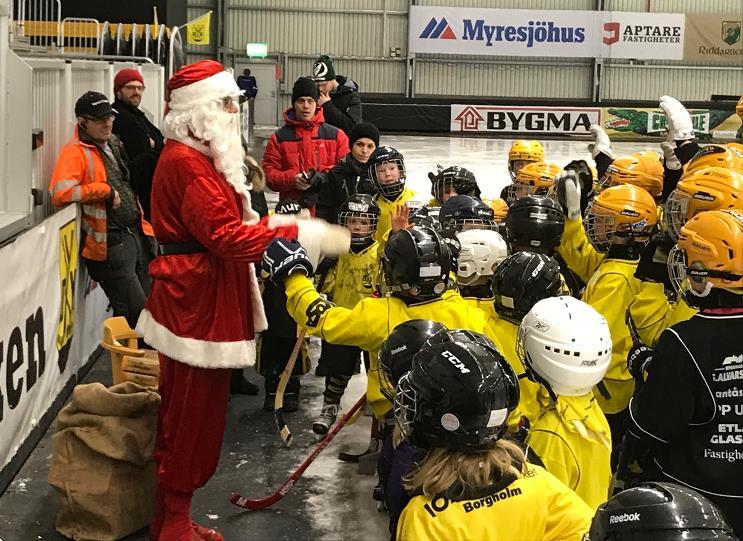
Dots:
pixel 404 405
pixel 356 218
pixel 390 190
pixel 677 270
pixel 443 184
pixel 599 228
pixel 675 212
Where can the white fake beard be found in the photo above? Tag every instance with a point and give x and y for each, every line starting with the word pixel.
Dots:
pixel 213 126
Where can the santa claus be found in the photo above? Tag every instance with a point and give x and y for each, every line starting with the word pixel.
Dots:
pixel 204 307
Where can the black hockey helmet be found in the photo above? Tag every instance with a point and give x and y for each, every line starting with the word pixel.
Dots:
pixel 426 217
pixel 397 351
pixel 416 264
pixel 654 511
pixel 458 393
pixel 360 205
pixel 384 154
pixel 288 206
pixel 523 279
pixel 463 212
pixel 462 180
pixel 534 222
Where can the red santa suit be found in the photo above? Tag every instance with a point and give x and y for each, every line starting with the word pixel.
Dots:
pixel 204 307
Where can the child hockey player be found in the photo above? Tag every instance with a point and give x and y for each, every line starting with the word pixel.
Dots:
pixel 452 181
pixel 689 408
pixel 472 483
pixel 521 154
pixel 463 212
pixel 566 348
pixel 519 282
pixel 534 179
pixel 353 279
pixel 387 173
pixel 416 265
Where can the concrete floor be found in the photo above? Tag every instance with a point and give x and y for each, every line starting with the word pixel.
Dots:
pixel 331 501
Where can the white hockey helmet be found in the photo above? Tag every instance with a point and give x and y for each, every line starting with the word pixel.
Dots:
pixel 481 250
pixel 566 344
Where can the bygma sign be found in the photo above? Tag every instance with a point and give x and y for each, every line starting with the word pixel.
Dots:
pixel 523 119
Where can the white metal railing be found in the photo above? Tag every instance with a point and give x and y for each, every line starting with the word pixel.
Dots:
pixel 39 21
pixel 79 35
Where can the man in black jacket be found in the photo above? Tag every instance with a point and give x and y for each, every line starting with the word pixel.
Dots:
pixel 339 96
pixel 350 175
pixel 142 140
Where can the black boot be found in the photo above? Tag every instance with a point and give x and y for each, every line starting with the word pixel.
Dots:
pixel 240 385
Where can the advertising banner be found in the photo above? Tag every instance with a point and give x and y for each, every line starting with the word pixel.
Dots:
pixel 51 323
pixel 642 35
pixel 713 38
pixel 631 122
pixel 550 33
pixel 525 120
pixel 512 32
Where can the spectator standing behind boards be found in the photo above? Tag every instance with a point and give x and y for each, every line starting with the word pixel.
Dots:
pixel 305 145
pixel 247 84
pixel 142 140
pixel 339 95
pixel 116 239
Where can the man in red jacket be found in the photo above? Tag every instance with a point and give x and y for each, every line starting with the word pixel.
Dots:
pixel 204 306
pixel 304 145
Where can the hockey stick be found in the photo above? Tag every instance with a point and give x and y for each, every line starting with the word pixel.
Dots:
pixel 263 503
pixel 278 403
pixel 345 456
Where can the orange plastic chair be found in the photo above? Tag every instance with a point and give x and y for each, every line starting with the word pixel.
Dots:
pixel 128 361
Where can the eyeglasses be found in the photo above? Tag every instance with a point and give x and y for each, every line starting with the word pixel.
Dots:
pixel 134 87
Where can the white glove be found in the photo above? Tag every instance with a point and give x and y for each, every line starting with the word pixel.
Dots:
pixel 679 119
pixel 320 238
pixel 601 142
pixel 568 189
pixel 671 160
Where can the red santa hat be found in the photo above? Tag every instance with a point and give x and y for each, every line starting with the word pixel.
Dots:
pixel 199 83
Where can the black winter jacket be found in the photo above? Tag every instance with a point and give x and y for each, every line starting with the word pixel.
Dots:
pixel 135 131
pixel 344 180
pixel 344 108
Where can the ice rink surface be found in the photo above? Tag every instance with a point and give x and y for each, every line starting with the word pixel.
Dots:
pixel 486 158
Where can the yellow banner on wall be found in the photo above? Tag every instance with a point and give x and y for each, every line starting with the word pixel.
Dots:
pixel 197 31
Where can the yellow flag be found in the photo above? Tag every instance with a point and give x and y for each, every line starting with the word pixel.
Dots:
pixel 198 30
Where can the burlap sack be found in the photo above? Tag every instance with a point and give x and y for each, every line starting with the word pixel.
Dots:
pixel 102 464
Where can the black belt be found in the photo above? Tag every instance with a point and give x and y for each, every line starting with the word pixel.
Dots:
pixel 180 248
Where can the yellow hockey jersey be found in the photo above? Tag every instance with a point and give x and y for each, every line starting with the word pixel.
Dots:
pixel 387 210
pixel 354 277
pixel 535 507
pixel 573 440
pixel 581 257
pixel 371 321
pixel 652 313
pixel 611 290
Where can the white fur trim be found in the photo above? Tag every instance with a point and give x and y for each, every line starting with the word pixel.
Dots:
pixel 190 142
pixel 195 352
pixel 215 87
pixel 310 235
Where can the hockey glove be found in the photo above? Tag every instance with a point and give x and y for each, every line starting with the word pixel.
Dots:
pixel 653 264
pixel 638 358
pixel 568 193
pixel 601 142
pixel 283 258
pixel 679 120
pixel 670 159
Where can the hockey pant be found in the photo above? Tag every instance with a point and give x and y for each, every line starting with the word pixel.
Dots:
pixel 339 362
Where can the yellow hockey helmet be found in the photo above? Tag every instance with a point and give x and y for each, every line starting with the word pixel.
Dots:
pixel 709 253
pixel 623 211
pixel 715 156
pixel 534 179
pixel 713 188
pixel 526 151
pixel 642 169
pixel 739 108
pixel 500 209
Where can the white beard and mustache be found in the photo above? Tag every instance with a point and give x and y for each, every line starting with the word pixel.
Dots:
pixel 216 133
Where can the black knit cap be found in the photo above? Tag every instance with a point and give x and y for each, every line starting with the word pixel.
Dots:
pixel 364 129
pixel 304 86
pixel 322 69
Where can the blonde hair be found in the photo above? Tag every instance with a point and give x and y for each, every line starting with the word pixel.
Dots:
pixel 443 468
